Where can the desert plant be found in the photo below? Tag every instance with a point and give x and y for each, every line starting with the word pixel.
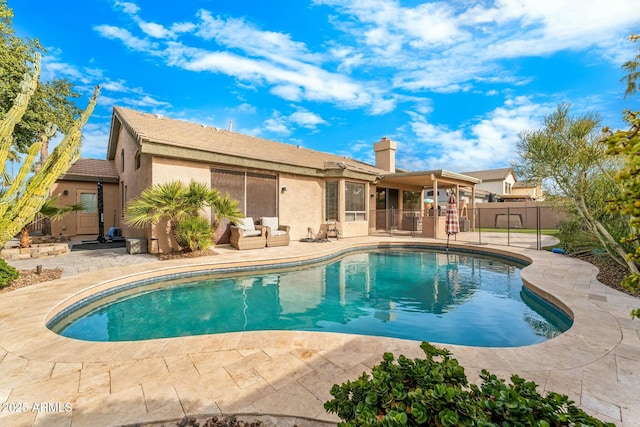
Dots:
pixel 25 239
pixel 175 201
pixel 435 392
pixel 195 232
pixel 7 273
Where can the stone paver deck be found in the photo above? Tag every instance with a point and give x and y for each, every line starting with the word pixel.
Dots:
pixel 596 362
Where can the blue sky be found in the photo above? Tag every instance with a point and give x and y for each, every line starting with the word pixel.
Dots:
pixel 452 82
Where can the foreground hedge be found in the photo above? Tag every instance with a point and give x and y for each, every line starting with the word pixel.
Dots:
pixel 435 392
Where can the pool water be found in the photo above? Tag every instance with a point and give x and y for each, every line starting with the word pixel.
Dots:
pixel 418 295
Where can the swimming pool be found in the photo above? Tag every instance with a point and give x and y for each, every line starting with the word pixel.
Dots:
pixel 420 295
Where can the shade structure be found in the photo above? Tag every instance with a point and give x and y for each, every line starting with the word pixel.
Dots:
pixel 452 223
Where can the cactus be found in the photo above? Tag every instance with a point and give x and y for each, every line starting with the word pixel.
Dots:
pixel 26 195
pixel 14 115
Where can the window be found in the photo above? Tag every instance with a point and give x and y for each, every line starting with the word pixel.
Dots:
pixel 123 199
pixel 411 200
pixel 137 160
pixel 122 158
pixel 331 200
pixel 354 201
pixel 507 188
pixel 89 202
pixel 256 192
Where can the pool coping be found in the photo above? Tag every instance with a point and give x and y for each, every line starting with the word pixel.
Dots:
pixel 596 362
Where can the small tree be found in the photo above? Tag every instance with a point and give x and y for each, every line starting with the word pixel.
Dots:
pixel 569 151
pixel 23 199
pixel 51 101
pixel 175 202
pixel 625 144
pixel 195 232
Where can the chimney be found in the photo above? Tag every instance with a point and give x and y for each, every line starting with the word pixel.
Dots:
pixel 385 150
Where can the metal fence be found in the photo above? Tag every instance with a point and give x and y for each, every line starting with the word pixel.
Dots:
pixel 495 223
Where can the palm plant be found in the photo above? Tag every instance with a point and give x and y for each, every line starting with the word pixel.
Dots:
pixel 176 201
pixel 50 211
pixel 47 212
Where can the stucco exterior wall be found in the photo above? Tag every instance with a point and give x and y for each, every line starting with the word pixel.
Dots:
pixel 132 180
pixel 67 225
pixel 518 215
pixel 165 170
pixel 497 187
pixel 302 205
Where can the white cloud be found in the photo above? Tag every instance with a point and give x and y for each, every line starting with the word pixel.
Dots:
pixel 128 7
pixel 183 27
pixel 277 125
pixel 295 81
pixel 306 119
pixel 128 39
pixel 236 33
pixel 246 108
pixel 155 30
pixel 486 143
pixel 448 46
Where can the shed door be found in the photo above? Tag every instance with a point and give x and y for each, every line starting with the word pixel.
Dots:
pixel 87 218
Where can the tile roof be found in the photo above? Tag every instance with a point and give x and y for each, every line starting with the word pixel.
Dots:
pixel 156 129
pixel 94 168
pixel 491 174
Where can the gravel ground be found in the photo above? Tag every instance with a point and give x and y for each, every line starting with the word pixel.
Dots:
pixel 31 277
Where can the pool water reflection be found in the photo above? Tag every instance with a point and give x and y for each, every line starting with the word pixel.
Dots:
pixel 418 295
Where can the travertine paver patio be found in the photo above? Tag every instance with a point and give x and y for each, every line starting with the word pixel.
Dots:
pixel 596 363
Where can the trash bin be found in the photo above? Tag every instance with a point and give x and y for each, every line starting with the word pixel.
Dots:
pixel 464 224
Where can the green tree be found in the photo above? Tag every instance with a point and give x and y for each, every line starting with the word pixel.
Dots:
pixel 625 144
pixel 570 153
pixel 632 68
pixel 23 199
pixel 50 103
pixel 20 95
pixel 50 211
pixel 176 201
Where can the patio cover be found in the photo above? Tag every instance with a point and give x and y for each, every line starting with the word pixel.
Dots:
pixel 432 179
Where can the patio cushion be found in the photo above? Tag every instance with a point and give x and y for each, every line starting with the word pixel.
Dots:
pixel 249 233
pixel 247 224
pixel 270 221
pixel 278 232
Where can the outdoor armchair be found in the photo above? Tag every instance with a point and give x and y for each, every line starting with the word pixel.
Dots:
pixel 277 234
pixel 246 235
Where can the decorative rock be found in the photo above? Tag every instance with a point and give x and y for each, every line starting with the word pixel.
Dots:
pixel 35 251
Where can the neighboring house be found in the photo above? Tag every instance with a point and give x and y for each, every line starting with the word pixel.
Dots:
pixel 531 190
pixel 497 181
pixel 304 188
pixel 80 185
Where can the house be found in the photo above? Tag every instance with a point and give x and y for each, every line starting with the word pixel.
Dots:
pixel 79 185
pixel 305 188
pixel 495 181
pixel 530 190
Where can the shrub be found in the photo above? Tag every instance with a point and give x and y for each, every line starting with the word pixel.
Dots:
pixel 195 232
pixel 7 273
pixel 435 392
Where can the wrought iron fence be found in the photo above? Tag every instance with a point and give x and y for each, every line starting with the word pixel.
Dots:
pixel 496 223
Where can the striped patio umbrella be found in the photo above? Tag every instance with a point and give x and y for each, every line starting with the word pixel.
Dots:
pixel 452 223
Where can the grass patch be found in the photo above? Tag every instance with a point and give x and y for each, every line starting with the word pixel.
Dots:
pixel 547 231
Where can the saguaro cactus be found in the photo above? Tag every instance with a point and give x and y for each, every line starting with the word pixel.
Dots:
pixel 27 193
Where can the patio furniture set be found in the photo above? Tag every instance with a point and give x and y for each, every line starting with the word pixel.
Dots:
pixel 246 234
